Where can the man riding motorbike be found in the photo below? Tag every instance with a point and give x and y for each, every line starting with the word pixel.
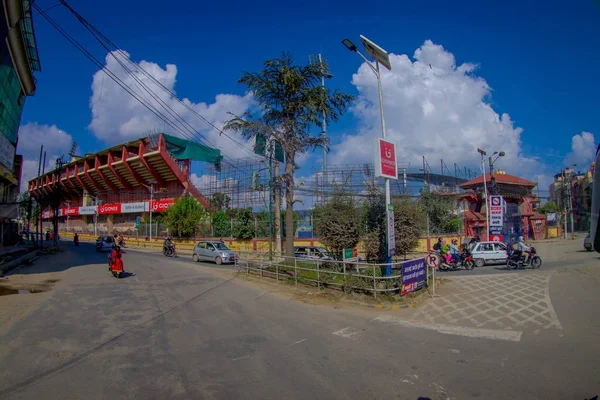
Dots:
pixel 454 253
pixel 115 262
pixel 523 249
pixel 168 245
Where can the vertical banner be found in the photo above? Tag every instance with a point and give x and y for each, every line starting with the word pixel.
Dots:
pixel 385 159
pixel 391 231
pixel 496 211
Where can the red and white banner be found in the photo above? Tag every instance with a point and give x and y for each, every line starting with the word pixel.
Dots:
pixel 115 208
pixel 162 205
pixel 385 159
pixel 109 209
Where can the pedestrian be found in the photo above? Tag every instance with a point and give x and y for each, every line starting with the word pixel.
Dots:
pixel 510 246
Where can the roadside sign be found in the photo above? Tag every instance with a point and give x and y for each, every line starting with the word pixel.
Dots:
pixel 432 261
pixel 391 231
pixel 497 238
pixel 351 255
pixel 385 159
pixel 496 211
pixel 138 222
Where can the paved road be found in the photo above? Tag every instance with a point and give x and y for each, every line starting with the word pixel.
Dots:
pixel 179 330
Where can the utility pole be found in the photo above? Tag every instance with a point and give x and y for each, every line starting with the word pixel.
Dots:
pixel 322 63
pixel 277 212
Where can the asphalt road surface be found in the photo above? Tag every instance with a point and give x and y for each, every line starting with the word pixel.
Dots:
pixel 174 329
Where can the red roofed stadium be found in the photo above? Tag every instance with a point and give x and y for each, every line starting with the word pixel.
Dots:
pixel 113 191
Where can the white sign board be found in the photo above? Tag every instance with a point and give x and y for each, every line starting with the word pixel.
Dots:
pixel 7 152
pixel 379 54
pixel 496 211
pixel 385 159
pixel 134 207
pixel 88 210
pixel 391 231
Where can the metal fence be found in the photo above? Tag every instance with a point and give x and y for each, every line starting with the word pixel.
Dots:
pixel 357 277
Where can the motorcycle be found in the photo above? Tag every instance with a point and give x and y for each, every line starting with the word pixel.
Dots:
pixel 115 263
pixel 122 242
pixel 76 240
pixel 465 261
pixel 169 251
pixel 515 261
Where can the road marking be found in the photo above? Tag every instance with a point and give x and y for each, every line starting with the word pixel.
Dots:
pixel 298 342
pixel 348 332
pixel 455 351
pixel 513 336
pixel 241 358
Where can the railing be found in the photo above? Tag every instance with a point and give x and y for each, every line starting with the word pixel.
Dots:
pixel 355 277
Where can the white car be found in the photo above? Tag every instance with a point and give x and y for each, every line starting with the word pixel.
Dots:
pixel 489 253
pixel 587 242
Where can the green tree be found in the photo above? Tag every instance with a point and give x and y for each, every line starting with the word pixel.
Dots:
pixel 244 228
pixel 549 208
pixel 183 217
pixel 291 102
pixel 375 225
pixel 439 210
pixel 221 223
pixel 337 223
pixel 219 201
pixel 408 220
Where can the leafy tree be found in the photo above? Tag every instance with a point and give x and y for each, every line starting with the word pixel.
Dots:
pixel 549 208
pixel 292 101
pixel 222 223
pixel 244 228
pixel 337 223
pixel 183 217
pixel 439 210
pixel 408 219
pixel 219 201
pixel 375 225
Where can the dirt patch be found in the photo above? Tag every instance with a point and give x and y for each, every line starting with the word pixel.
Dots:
pixel 9 288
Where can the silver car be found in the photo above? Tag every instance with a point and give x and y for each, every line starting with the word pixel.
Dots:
pixel 104 243
pixel 213 251
pixel 489 253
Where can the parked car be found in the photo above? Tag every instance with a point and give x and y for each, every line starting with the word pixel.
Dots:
pixel 312 252
pixel 587 242
pixel 105 243
pixel 489 253
pixel 213 251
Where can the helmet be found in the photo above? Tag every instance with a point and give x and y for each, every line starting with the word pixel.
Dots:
pixel 521 238
pixel 443 242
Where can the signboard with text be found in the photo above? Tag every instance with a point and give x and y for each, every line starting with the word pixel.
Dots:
pixel 88 210
pixel 109 209
pixel 351 255
pixel 162 205
pixel 114 208
pixel 141 206
pixel 496 211
pixel 413 275
pixel 385 159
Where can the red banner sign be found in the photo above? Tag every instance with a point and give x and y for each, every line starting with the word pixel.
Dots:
pixel 110 208
pixel 70 211
pixel 385 163
pixel 162 205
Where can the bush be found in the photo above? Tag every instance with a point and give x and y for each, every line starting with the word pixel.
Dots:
pixel 183 217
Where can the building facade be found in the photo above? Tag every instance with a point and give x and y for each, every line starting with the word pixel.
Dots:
pixel 114 191
pixel 572 192
pixel 18 61
pixel 520 216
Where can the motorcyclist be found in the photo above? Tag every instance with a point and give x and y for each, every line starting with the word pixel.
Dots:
pixel 168 244
pixel 445 251
pixel 454 252
pixel 511 246
pixel 438 245
pixel 523 249
pixel 115 259
pixel 121 241
pixel 76 240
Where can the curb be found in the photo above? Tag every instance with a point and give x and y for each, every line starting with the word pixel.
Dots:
pixel 392 307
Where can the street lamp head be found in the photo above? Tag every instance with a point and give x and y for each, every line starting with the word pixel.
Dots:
pixel 349 45
pixel 502 154
pixel 482 152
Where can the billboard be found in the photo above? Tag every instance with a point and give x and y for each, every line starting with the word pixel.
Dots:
pixel 385 159
pixel 496 211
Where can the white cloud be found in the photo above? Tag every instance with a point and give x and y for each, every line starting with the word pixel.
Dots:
pixel 32 135
pixel 583 150
pixel 436 109
pixel 117 116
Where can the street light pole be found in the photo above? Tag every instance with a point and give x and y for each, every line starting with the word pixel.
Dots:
pixel 491 161
pixel 378 54
pixel 151 208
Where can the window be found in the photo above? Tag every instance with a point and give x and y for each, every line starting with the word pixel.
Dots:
pixel 201 245
pixel 210 247
pixel 500 246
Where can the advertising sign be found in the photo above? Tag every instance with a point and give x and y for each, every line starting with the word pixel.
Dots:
pixel 141 206
pixel 162 205
pixel 351 254
pixel 413 275
pixel 88 210
pixel 70 211
pixel 385 159
pixel 109 209
pixel 391 231
pixel 496 211
pixel 7 152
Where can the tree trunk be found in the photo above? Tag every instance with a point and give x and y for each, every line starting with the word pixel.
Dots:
pixel 289 211
pixel 277 209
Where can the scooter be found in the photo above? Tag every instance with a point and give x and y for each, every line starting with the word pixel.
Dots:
pixel 115 264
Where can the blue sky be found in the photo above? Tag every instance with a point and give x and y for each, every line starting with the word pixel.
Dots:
pixel 538 60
